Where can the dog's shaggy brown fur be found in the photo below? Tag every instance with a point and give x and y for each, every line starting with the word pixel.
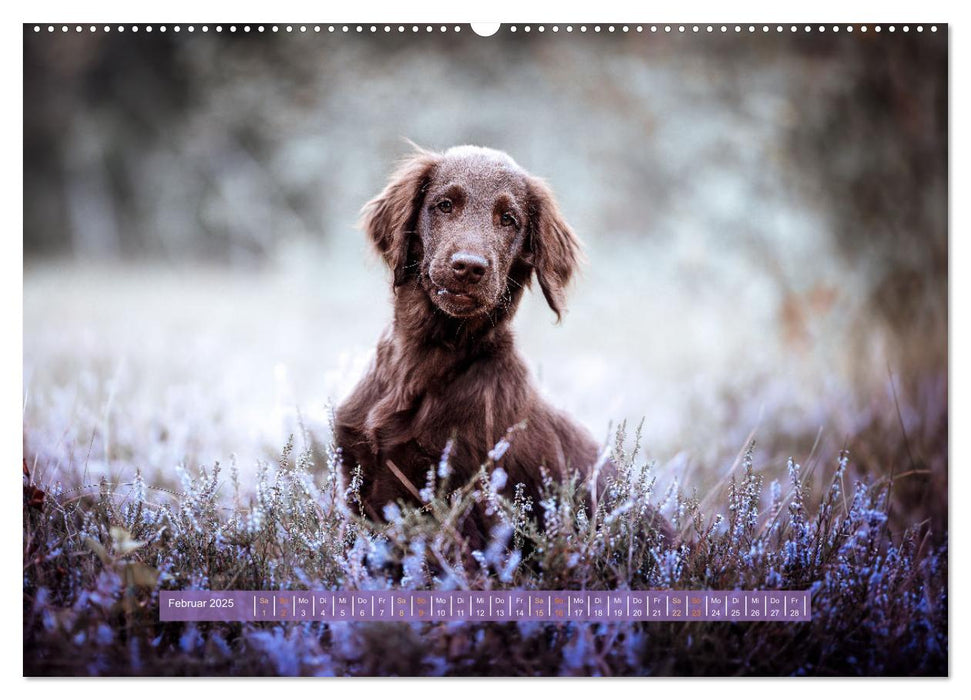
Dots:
pixel 463 232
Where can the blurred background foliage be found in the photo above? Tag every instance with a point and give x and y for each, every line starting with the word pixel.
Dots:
pixel 766 221
pixel 180 146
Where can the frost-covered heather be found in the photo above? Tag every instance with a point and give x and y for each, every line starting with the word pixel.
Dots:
pixel 95 559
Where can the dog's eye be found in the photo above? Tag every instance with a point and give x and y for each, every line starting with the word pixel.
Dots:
pixel 507 219
pixel 445 206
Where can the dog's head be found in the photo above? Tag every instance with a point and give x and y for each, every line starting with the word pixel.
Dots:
pixel 471 227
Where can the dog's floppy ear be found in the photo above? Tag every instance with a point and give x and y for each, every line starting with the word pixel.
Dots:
pixel 390 218
pixel 553 248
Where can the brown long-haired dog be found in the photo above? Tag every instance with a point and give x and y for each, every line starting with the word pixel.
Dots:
pixel 463 232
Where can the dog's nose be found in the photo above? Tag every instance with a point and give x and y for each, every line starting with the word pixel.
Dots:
pixel 468 267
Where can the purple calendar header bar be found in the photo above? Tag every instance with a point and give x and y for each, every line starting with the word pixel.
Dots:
pixel 484 606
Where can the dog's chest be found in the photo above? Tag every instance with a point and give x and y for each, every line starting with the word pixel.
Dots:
pixel 443 396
